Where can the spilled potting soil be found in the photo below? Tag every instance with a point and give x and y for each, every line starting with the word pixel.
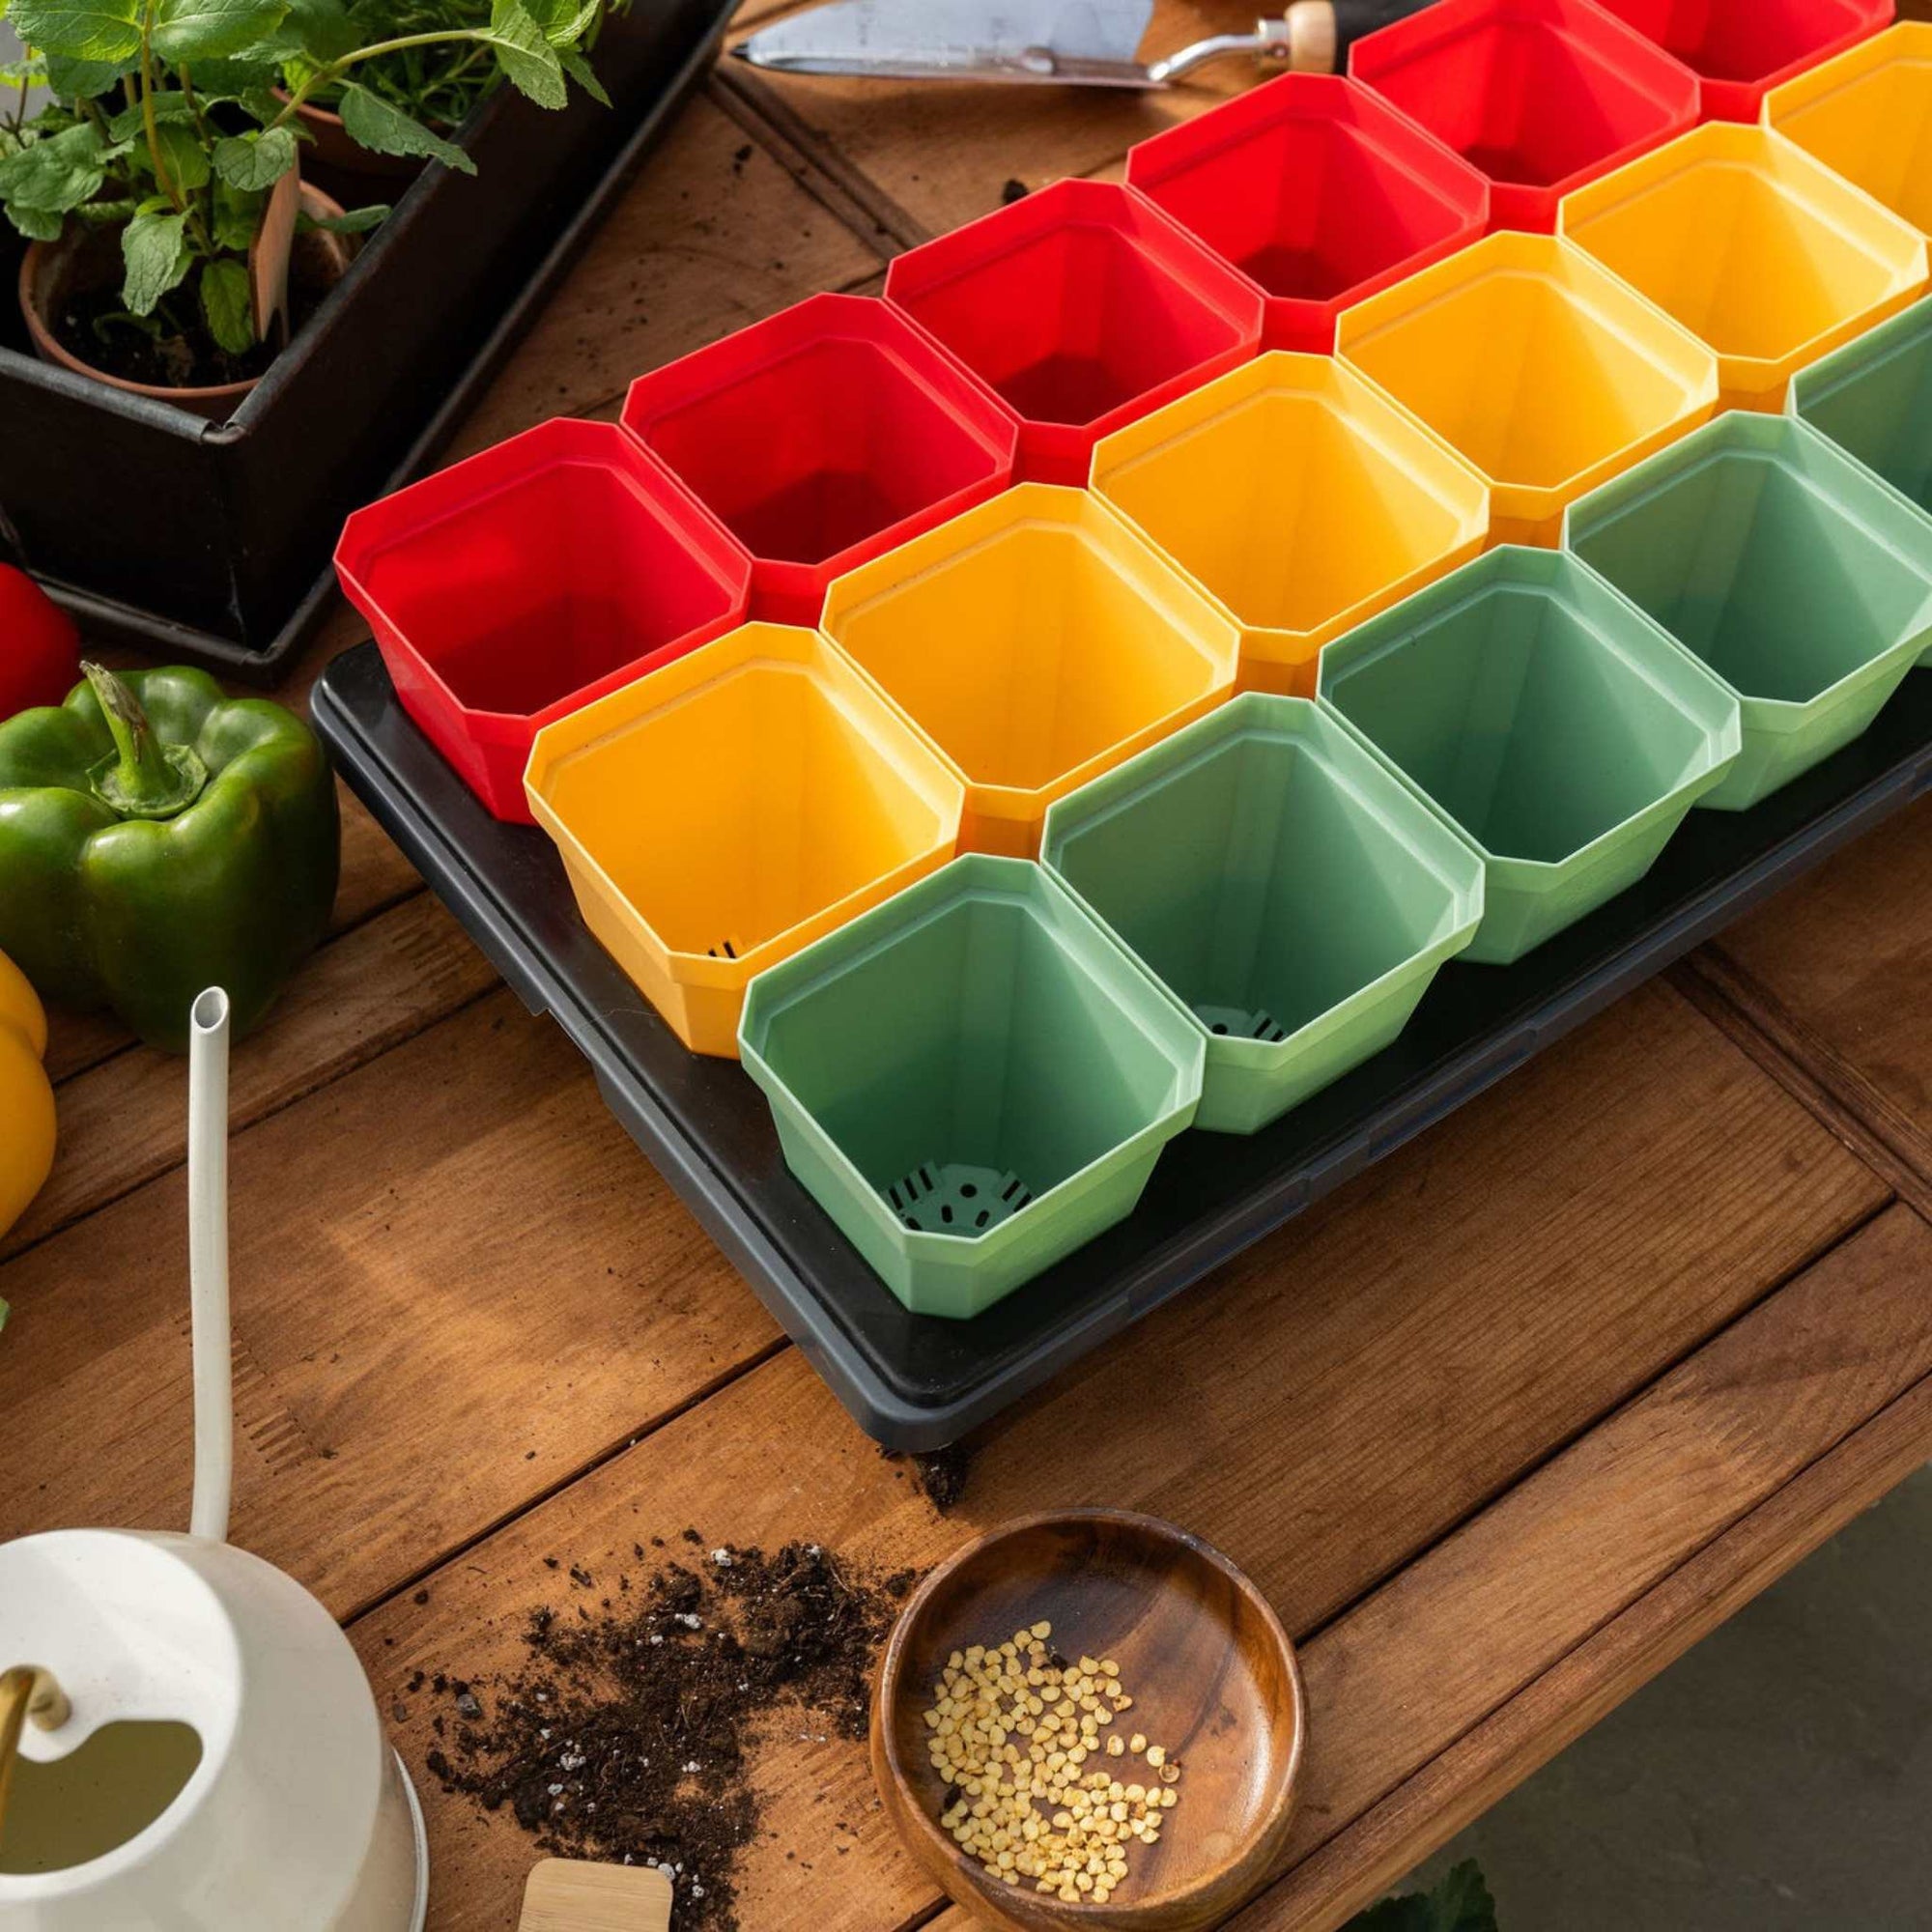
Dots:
pixel 627 1734
pixel 941 1475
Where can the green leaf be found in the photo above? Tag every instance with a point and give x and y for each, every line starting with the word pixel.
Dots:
pixel 564 23
pixel 233 78
pixel 524 54
pixel 69 80
pixel 154 251
pixel 1461 1903
pixel 256 160
pixel 197 30
pixel 321 29
pixel 89 30
pixel 580 71
pixel 53 175
pixel 1409 1913
pixel 237 214
pixel 227 306
pixel 384 130
pixel 17 77
pixel 357 220
pixel 181 150
pixel 131 123
pixel 36 224
pixel 259 103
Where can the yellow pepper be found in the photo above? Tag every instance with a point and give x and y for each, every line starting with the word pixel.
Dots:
pixel 26 1095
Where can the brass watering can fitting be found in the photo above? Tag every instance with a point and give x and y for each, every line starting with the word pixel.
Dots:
pixel 26 1691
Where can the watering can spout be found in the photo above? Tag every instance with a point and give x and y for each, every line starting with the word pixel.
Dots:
pixel 208 1262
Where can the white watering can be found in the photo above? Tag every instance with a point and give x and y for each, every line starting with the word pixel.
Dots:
pixel 191 1742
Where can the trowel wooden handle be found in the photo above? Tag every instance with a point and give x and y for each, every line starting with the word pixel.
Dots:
pixel 1322 30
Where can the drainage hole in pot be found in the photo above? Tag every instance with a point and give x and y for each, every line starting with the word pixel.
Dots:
pixel 724 950
pixel 1240 1023
pixel 940 1199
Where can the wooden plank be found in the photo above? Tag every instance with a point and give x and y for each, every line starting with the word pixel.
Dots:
pixel 124 1123
pixel 455 1284
pixel 1707 985
pixel 937 155
pixel 375 874
pixel 1422 1814
pixel 77 1042
pixel 1835 973
pixel 1560 1560
pixel 1334 1402
pixel 820 172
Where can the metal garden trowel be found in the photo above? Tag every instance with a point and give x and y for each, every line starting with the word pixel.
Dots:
pixel 1073 43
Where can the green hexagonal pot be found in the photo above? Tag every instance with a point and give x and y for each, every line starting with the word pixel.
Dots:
pixel 973 1080
pixel 1785 568
pixel 1873 398
pixel 1555 723
pixel 1292 892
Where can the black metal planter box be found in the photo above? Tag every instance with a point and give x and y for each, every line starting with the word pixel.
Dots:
pixel 211 542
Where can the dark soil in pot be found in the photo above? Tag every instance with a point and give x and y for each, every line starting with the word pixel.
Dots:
pixel 71 290
pixel 83 326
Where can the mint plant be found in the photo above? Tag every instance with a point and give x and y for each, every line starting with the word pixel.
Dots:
pixel 433 80
pixel 165 125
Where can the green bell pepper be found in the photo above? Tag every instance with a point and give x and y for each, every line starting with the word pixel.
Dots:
pixel 158 838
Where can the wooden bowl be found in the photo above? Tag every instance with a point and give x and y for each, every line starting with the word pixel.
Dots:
pixel 1211 1673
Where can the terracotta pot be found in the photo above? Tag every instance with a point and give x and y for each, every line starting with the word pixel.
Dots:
pixel 93 257
pixel 333 146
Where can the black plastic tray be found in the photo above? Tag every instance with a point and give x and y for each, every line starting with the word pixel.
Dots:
pixel 916 1382
pixel 210 542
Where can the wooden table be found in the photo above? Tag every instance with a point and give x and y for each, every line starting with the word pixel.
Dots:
pixel 1501 1429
